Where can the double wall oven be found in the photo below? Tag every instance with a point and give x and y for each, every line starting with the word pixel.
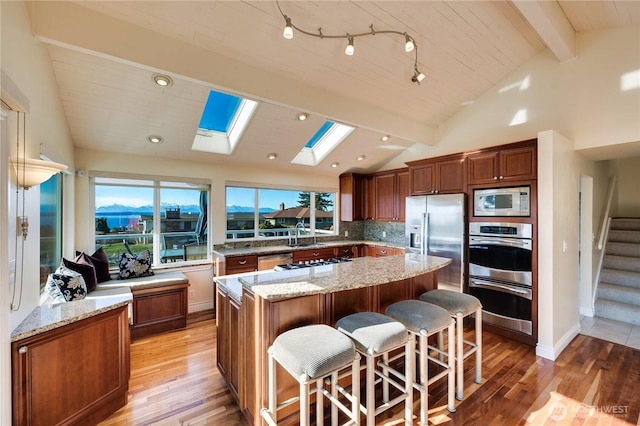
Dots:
pixel 500 273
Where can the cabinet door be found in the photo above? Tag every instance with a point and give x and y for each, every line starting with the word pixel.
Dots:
pixel 518 164
pixel 313 254
pixel 222 334
pixel 403 188
pixel 385 184
pixel 369 198
pixel 423 179
pixel 483 167
pixel 352 189
pixel 235 358
pixel 451 176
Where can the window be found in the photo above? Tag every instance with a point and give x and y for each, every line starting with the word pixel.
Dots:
pixel 278 213
pixel 50 226
pixel 168 218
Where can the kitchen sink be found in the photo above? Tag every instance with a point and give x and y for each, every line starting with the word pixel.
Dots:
pixel 307 245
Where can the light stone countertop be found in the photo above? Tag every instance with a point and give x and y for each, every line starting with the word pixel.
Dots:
pixel 266 250
pixel 360 272
pixel 53 315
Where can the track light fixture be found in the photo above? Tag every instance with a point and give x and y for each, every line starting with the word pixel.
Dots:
pixel 409 42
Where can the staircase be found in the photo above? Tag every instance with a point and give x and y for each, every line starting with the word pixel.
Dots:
pixel 618 296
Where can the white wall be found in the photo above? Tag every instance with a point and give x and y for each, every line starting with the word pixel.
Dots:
pixel 628 194
pixel 581 99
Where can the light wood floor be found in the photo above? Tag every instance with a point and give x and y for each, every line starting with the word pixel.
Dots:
pixel 174 381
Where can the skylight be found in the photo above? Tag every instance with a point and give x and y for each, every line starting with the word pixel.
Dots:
pixel 224 120
pixel 329 136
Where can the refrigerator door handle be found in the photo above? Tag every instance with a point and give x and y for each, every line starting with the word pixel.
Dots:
pixel 423 228
pixel 427 230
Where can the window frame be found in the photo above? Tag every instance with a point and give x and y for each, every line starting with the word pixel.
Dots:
pixel 256 213
pixel 59 195
pixel 157 183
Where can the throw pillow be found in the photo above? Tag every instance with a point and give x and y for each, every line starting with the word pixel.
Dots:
pixel 86 268
pixel 133 266
pixel 100 262
pixel 65 285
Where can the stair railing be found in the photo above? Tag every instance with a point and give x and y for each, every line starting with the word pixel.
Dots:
pixel 604 234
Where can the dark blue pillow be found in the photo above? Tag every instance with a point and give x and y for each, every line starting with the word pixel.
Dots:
pixel 65 285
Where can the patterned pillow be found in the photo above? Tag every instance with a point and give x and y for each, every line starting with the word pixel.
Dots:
pixel 65 285
pixel 86 268
pixel 133 266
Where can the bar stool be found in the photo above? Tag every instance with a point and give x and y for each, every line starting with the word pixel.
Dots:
pixel 459 306
pixel 309 354
pixel 423 319
pixel 375 336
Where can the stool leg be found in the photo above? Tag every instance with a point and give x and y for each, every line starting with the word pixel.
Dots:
pixel 319 402
pixel 304 403
pixel 440 345
pixel 272 385
pixel 459 355
pixel 479 346
pixel 409 372
pixel 334 393
pixel 370 390
pixel 424 378
pixel 451 406
pixel 355 390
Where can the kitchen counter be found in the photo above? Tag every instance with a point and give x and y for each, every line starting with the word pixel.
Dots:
pixel 253 308
pixel 360 272
pixel 53 315
pixel 257 250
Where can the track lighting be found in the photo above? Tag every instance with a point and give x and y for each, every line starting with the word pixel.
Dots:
pixel 288 31
pixel 349 50
pixel 409 42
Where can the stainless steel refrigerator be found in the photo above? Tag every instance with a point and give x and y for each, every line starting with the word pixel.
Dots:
pixel 436 225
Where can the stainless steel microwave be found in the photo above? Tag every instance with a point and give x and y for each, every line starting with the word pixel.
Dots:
pixel 512 201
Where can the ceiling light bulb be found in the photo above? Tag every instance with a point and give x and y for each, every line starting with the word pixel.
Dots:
pixel 417 76
pixel 408 45
pixel 272 156
pixel 349 50
pixel 288 31
pixel 162 80
pixel 154 139
pixel 302 116
pixel 360 157
pixel 384 138
pixel 334 165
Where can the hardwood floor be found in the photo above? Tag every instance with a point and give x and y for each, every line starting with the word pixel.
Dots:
pixel 174 381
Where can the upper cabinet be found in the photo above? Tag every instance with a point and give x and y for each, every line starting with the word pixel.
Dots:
pixel 445 175
pixel 503 165
pixel 352 197
pixel 391 189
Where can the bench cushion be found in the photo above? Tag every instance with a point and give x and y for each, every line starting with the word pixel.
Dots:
pixel 160 279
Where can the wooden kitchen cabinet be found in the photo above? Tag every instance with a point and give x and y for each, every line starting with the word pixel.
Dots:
pixel 445 175
pixel 391 190
pixel 77 374
pixel 313 254
pixel 226 265
pixel 229 355
pixel 349 251
pixel 369 197
pixel 507 164
pixel 380 251
pixel 352 197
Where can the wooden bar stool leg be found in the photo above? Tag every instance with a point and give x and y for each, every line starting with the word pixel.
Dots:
pixel 451 405
pixel 424 378
pixel 409 372
pixel 319 402
pixel 459 355
pixel 479 346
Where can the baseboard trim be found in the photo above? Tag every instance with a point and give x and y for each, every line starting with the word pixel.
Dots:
pixel 552 353
pixel 587 312
pixel 200 306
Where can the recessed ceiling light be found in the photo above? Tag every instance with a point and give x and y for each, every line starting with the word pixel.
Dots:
pixel 360 157
pixel 301 116
pixel 162 80
pixel 154 139
pixel 334 165
pixel 272 156
pixel 384 138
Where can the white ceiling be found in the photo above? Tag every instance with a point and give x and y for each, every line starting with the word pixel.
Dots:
pixel 464 48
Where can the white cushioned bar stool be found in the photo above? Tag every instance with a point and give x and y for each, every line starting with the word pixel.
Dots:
pixel 423 320
pixel 375 336
pixel 459 306
pixel 310 354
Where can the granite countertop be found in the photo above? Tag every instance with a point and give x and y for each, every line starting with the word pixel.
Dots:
pixel 53 315
pixel 360 272
pixel 247 251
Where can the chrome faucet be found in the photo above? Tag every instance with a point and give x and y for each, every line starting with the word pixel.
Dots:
pixel 299 227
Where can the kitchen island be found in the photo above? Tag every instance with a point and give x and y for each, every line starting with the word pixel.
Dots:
pixel 254 308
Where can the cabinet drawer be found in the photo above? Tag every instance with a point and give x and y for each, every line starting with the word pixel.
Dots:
pixel 242 262
pixel 313 254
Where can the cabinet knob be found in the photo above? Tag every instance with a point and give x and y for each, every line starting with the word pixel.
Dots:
pixel 501 177
pixel 23 350
pixel 437 192
pixel 495 178
pixel 242 262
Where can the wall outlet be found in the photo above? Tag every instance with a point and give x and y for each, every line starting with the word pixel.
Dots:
pixel 346 233
pixel 192 294
pixel 384 234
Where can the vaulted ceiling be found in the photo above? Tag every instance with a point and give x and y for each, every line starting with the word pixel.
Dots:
pixel 105 53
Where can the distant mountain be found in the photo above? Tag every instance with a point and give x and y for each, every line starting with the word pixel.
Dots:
pixel 245 209
pixel 120 209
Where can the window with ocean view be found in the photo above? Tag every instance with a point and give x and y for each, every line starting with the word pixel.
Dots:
pixel 170 219
pixel 278 213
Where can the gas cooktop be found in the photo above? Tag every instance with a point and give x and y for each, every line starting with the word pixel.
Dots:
pixel 310 263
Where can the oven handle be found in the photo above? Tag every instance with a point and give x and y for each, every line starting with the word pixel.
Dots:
pixel 511 242
pixel 498 287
